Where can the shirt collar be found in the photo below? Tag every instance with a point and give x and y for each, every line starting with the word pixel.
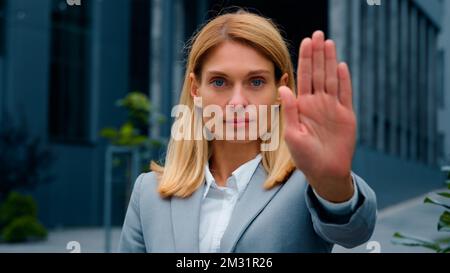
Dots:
pixel 242 175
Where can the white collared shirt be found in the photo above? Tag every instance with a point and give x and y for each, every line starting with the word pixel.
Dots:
pixel 218 204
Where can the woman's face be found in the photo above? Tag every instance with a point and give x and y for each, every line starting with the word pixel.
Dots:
pixel 237 77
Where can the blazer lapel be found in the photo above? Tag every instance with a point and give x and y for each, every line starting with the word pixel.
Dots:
pixel 185 220
pixel 251 203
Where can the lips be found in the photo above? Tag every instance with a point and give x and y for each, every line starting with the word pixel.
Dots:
pixel 246 120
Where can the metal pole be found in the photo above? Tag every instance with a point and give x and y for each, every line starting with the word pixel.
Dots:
pixel 167 62
pixel 107 199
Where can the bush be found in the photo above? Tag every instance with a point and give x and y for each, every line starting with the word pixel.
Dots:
pixel 24 228
pixel 18 219
pixel 15 206
pixel 25 160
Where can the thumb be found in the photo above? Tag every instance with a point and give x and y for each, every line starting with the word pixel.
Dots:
pixel 289 105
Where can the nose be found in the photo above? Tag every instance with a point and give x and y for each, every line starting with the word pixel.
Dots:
pixel 238 98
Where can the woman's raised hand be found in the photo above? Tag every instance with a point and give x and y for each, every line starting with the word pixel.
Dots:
pixel 320 124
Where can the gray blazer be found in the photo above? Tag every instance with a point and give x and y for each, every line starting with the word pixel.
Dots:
pixel 286 218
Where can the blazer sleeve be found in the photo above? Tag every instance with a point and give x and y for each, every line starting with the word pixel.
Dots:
pixel 131 238
pixel 349 230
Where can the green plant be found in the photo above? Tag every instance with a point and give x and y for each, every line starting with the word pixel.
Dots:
pixel 443 225
pixel 23 229
pixel 126 135
pixel 138 106
pixel 134 131
pixel 18 219
pixel 25 160
pixel 16 205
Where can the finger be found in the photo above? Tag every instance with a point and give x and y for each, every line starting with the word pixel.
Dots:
pixel 345 86
pixel 304 71
pixel 318 62
pixel 289 105
pixel 331 78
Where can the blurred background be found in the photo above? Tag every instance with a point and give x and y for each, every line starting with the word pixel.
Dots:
pixel 87 86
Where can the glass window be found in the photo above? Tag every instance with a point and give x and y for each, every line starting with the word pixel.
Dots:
pixel 2 26
pixel 69 75
pixel 139 45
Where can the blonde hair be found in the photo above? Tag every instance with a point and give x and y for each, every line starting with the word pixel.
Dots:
pixel 183 172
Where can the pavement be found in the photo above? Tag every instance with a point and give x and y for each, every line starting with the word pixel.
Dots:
pixel 86 240
pixel 411 217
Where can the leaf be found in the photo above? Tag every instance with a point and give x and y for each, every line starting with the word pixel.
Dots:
pixel 444 194
pixel 401 239
pixel 135 101
pixel 137 140
pixel 126 130
pixel 443 241
pixel 444 221
pixel 155 142
pixel 416 239
pixel 109 133
pixel 431 201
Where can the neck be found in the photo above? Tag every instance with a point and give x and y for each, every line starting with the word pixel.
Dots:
pixel 227 157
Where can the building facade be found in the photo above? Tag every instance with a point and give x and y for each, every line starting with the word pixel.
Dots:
pixel 397 67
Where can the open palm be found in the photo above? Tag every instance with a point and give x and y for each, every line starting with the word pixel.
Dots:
pixel 320 124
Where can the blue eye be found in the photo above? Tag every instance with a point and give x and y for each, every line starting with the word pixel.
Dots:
pixel 218 82
pixel 257 82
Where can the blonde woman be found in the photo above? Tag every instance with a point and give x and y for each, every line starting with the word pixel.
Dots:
pixel 221 194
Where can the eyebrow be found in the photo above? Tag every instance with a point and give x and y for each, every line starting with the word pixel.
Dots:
pixel 251 73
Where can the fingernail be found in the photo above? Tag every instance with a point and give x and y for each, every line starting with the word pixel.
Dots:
pixel 318 33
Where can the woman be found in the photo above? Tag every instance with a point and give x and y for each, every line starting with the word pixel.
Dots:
pixel 220 193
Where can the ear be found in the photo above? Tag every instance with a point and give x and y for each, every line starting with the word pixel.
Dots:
pixel 284 79
pixel 283 82
pixel 194 85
